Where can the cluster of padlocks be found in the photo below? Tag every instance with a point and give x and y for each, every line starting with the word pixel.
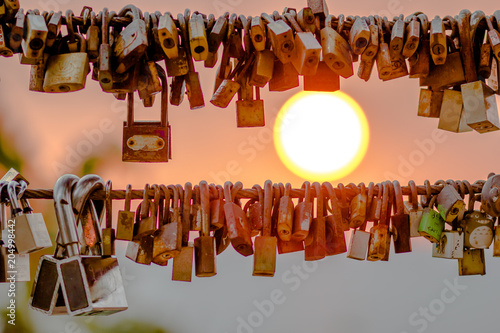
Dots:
pixel 452 56
pixel 82 277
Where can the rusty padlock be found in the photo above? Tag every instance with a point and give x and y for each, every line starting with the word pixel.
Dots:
pixel 335 237
pixel 237 224
pixel 315 243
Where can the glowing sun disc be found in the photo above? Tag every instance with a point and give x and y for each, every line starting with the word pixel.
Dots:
pixel 321 135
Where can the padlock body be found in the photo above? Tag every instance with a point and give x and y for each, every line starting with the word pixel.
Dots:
pixel 401 225
pixel 284 76
pixel 307 53
pixel 66 72
pixel 145 141
pixel 282 42
pixel 225 93
pixel 379 242
pixel 452 115
pixel 130 45
pixel 302 218
pixel 472 263
pixel 496 242
pixel 167 242
pixel 480 107
pixel 108 242
pixel 285 218
pixel 324 80
pixel 238 229
pixel 31 233
pixel 177 66
pixel 204 254
pixel 183 265
pixel 315 243
pixel 429 104
pixel 447 75
pixel 478 228
pixel 415 216
pixel 335 237
pixel 336 52
pixel 450 246
pixel 290 247
pixel 125 225
pixel 358 211
pixel 358 245
pixel 431 225
pixel 262 71
pixel 265 256
pixel 141 250
pixel 449 203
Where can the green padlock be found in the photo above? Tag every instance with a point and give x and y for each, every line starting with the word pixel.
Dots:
pixel 432 224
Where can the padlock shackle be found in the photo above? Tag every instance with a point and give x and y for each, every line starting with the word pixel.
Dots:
pixel 166 206
pixel 413 194
pixel 87 185
pixel 69 25
pixel 205 208
pixel 293 22
pixel 340 24
pixel 472 197
pixel 398 202
pixel 13 198
pixel 335 208
pixel 267 209
pixel 109 204
pixel 128 197
pixel 385 203
pixel 68 234
pixel 105 26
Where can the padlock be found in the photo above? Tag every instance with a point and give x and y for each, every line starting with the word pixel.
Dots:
pixel 452 116
pixel 490 194
pixel 147 141
pixel 345 206
pixel 285 217
pixel 235 34
pixel 358 244
pixel 480 107
pixel 30 231
pixel 108 233
pixel 54 28
pixel 225 68
pixel 146 215
pixel 88 214
pixel 432 224
pixel 449 203
pixel 325 79
pixel 306 19
pixel 229 87
pixel 478 226
pixel 414 209
pixel 105 72
pixel 412 39
pixel 217 218
pixel 68 71
pixel 303 215
pixel 371 49
pixel 419 62
pixel 178 66
pixel 493 37
pixel 149 82
pixel 359 35
pixel 75 285
pixel 319 8
pixel 485 61
pixel 281 36
pixel 125 223
pixel 449 74
pixel 237 224
pixel 315 243
pixel 11 9
pixel 438 46
pixel 16 32
pixel 398 62
pixel 400 222
pixel 384 64
pixel 132 42
pixel 177 90
pixel 193 87
pixel 37 74
pixel 36 35
pixel 4 50
pixel 336 51
pixel 140 250
pixel 183 263
pixel 204 245
pixel 218 33
pixel 307 49
pixel 92 35
pixel 374 204
pixel 466 46
pixel 358 208
pixel 198 38
pixel 450 246
pixel 335 237
pixel 284 77
pixel 379 233
pixel 195 212
pixel 496 242
pixel 258 33
pixel 472 263
pixel 365 68
pixel 168 35
pixel 265 245
pixel 262 70
pixel 397 38
pixel 430 103
pixel 256 211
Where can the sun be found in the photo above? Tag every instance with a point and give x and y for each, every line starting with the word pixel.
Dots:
pixel 321 136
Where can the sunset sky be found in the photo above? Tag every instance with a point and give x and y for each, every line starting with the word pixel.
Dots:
pixel 336 294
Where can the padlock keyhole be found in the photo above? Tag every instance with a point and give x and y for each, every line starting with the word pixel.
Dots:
pixel 199 49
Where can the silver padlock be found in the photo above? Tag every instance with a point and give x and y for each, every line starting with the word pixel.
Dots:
pixel 90 285
pixel 30 231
